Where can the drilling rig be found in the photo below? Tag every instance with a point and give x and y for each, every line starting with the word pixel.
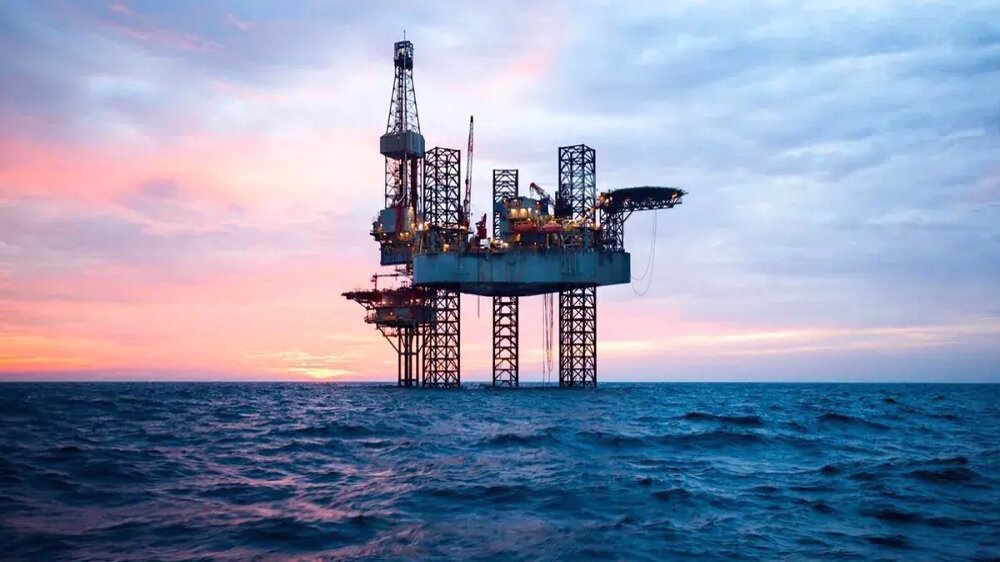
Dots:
pixel 539 246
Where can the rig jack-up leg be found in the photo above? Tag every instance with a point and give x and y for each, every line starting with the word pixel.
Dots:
pixel 505 328
pixel 505 311
pixel 578 337
pixel 442 345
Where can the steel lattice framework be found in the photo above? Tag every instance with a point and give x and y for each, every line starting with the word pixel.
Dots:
pixel 442 213
pixel 442 342
pixel 505 309
pixel 578 179
pixel 403 114
pixel 613 231
pixel 505 354
pixel 504 187
pixel 442 204
pixel 617 206
pixel 401 181
pixel 578 337
pixel 578 307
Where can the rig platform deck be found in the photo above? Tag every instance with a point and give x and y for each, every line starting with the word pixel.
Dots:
pixel 520 272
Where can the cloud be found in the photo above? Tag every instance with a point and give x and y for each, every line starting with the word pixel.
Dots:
pixel 201 177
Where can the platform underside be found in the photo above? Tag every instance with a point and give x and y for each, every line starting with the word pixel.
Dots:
pixel 507 289
pixel 520 273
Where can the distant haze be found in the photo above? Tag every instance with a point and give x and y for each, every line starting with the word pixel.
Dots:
pixel 186 187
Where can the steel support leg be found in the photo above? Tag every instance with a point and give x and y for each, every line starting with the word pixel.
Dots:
pixel 407 348
pixel 578 337
pixel 442 343
pixel 505 319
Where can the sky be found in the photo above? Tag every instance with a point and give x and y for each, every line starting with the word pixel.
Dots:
pixel 186 187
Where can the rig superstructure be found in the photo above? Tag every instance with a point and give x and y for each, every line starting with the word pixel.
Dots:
pixel 570 244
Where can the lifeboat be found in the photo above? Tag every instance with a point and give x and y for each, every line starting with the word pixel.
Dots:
pixel 551 227
pixel 524 226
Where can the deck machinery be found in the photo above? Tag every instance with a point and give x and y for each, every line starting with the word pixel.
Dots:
pixel 570 244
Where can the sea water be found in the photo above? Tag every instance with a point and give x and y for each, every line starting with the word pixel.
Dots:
pixel 173 471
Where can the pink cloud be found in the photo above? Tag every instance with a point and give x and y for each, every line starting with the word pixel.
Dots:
pixel 145 29
pixel 232 20
pixel 291 178
pixel 121 8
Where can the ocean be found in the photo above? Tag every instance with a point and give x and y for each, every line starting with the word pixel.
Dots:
pixel 257 471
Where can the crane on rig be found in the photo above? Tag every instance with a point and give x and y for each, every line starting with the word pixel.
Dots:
pixel 545 200
pixel 467 202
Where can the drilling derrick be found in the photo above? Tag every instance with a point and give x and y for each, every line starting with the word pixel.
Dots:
pixel 406 315
pixel 570 244
pixel 403 148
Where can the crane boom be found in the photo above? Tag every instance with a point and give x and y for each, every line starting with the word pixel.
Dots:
pixel 467 202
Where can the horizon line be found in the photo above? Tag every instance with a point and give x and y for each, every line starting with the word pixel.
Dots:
pixel 485 382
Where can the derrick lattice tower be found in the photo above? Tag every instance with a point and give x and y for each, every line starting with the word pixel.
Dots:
pixel 402 144
pixel 403 148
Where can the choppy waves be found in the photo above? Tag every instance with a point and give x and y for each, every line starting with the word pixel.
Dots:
pixel 629 472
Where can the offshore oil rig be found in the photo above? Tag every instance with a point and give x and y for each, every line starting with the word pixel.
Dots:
pixel 568 244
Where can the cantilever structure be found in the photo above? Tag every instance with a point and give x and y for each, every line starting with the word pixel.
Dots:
pixel 568 244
